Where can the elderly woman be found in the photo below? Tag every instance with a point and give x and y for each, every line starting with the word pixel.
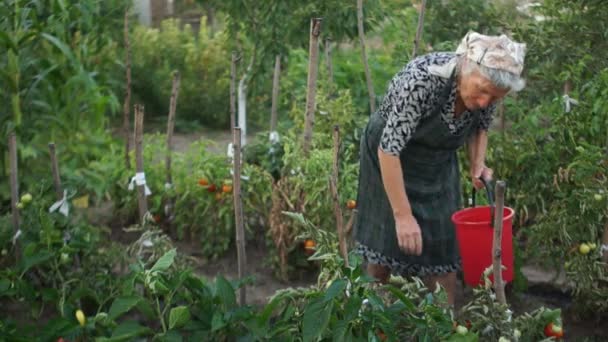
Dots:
pixel 409 183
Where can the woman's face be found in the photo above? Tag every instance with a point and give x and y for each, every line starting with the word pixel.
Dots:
pixel 478 92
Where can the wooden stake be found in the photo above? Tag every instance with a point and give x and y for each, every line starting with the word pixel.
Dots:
pixel 419 29
pixel 12 154
pixel 499 286
pixel 604 245
pixel 315 31
pixel 127 104
pixel 328 62
pixel 275 93
pixel 333 185
pixel 238 212
pixel 55 169
pixel 368 76
pixel 139 160
pixel 233 90
pixel 501 114
pixel 171 124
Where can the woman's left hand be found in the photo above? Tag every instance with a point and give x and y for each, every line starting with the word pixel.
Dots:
pixel 482 171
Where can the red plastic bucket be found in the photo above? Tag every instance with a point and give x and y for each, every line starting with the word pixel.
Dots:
pixel 475 238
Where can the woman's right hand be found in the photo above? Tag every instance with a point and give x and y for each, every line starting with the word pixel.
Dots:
pixel 409 235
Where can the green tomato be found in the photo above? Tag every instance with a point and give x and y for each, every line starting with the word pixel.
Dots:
pixel 598 197
pixel 20 205
pixel 65 257
pixel 516 333
pixel 592 246
pixel 4 252
pixel 461 330
pixel 584 248
pixel 26 198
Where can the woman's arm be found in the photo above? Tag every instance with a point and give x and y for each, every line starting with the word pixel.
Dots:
pixel 477 147
pixel 408 231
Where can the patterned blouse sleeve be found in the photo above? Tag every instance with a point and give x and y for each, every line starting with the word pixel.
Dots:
pixel 486 117
pixel 404 106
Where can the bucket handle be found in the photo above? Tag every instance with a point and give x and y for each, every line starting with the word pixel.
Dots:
pixel 490 199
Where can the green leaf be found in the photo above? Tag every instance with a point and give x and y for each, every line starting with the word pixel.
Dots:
pixel 144 307
pixel 122 305
pixel 55 327
pixel 126 332
pixel 217 322
pixel 5 284
pixel 65 49
pixel 164 262
pixel 316 318
pixel 336 288
pixel 171 336
pixel 178 317
pixel 33 260
pixel 8 41
pixel 399 294
pixel 225 292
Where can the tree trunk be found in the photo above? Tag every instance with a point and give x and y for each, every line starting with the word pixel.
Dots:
pixel 499 286
pixel 328 62
pixel 333 185
pixel 315 30
pixel 368 76
pixel 419 29
pixel 501 114
pixel 275 93
pixel 171 124
pixel 242 98
pixel 55 170
pixel 233 90
pixel 238 214
pixel 242 122
pixel 139 160
pixel 604 245
pixel 127 104
pixel 12 153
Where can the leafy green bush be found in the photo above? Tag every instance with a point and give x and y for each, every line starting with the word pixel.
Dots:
pixel 59 72
pixel 202 61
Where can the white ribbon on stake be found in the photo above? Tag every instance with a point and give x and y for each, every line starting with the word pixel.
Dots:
pixel 63 205
pixel 603 249
pixel 16 236
pixel 274 137
pixel 139 179
pixel 230 154
pixel 569 102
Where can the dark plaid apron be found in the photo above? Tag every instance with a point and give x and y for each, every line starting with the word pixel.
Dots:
pixel 432 184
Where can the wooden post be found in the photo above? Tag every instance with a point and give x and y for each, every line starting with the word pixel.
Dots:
pixel 127 104
pixel 604 246
pixel 328 62
pixel 233 90
pixel 313 53
pixel 12 155
pixel 139 160
pixel 238 212
pixel 499 286
pixel 368 76
pixel 171 124
pixel 419 28
pixel 333 185
pixel 55 169
pixel 275 93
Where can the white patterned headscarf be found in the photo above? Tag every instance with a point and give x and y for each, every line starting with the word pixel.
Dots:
pixel 495 52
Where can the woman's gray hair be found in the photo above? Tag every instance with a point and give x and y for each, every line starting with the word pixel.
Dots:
pixel 500 78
